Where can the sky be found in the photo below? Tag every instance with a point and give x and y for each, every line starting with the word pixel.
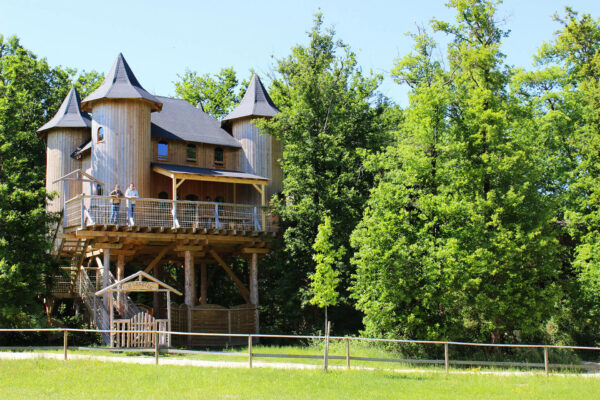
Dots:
pixel 161 39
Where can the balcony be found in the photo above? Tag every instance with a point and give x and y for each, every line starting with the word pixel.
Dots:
pixel 85 211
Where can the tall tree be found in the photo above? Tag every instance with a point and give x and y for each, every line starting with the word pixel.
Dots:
pixel 218 94
pixel 325 280
pixel 30 93
pixel 331 117
pixel 569 91
pixel 469 251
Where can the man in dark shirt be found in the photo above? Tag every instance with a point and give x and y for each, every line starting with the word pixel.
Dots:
pixel 115 195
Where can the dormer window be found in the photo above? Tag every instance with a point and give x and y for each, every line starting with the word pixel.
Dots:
pixel 100 133
pixel 219 156
pixel 163 151
pixel 191 152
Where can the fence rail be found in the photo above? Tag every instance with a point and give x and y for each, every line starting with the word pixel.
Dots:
pixel 87 210
pixel 158 340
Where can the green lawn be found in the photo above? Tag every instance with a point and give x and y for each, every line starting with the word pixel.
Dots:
pixel 51 379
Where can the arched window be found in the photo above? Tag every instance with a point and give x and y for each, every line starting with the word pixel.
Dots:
pixel 98 190
pixel 191 197
pixel 191 152
pixel 219 156
pixel 163 151
pixel 163 195
pixel 100 133
pixel 220 199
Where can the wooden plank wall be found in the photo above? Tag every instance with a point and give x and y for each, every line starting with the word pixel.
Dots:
pixel 205 155
pixel 260 156
pixel 161 183
pixel 125 154
pixel 212 318
pixel 61 142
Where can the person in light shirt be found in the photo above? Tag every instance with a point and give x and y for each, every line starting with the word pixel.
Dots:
pixel 130 194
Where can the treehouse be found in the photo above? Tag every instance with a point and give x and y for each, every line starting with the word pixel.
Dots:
pixel 203 189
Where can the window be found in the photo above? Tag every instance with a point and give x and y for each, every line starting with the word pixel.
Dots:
pixel 98 190
pixel 163 195
pixel 100 133
pixel 191 152
pixel 220 199
pixel 191 197
pixel 219 156
pixel 163 151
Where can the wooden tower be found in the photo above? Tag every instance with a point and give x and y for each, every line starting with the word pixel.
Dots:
pixel 260 153
pixel 121 144
pixel 69 128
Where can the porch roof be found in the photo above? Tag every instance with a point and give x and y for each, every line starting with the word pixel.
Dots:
pixel 207 174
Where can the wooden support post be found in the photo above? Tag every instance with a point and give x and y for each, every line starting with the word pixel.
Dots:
pixel 546 361
pixel 446 357
pixel 203 284
pixel 326 353
pixel 190 287
pixel 249 351
pixel 347 353
pixel 156 347
pixel 156 295
pixel 254 286
pixel 169 317
pixel 65 343
pixel 120 277
pixel 105 275
pixel 189 290
pixel 112 317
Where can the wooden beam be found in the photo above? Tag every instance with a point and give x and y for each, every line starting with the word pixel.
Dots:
pixel 99 246
pixel 254 279
pixel 165 237
pixel 243 289
pixel 179 183
pixel 159 257
pixel 189 248
pixel 253 250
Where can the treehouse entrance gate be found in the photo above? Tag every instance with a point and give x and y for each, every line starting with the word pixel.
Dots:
pixel 138 331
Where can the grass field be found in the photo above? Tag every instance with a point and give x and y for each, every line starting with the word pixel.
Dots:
pixel 51 379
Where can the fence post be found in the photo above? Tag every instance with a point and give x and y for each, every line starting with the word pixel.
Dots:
pixel 347 353
pixel 156 347
pixel 326 355
pixel 249 351
pixel 546 361
pixel 446 357
pixel 65 343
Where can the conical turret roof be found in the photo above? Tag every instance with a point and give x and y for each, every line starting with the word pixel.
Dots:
pixel 69 115
pixel 120 83
pixel 256 103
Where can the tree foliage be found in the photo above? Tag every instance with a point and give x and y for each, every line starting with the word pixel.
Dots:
pixel 30 93
pixel 457 241
pixel 325 280
pixel 331 118
pixel 218 94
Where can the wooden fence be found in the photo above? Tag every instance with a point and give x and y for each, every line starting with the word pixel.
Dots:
pixel 250 338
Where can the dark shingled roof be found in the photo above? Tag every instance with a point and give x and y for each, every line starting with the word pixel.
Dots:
pixel 184 169
pixel 120 83
pixel 256 103
pixel 179 120
pixel 69 115
pixel 81 150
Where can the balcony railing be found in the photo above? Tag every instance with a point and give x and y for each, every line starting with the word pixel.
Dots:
pixel 86 210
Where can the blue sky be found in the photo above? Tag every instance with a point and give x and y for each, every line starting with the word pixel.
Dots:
pixel 161 39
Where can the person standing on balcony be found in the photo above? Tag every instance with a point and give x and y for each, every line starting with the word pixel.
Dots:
pixel 115 195
pixel 131 193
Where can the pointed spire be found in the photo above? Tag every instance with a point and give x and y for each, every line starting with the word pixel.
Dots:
pixel 256 103
pixel 69 115
pixel 120 83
